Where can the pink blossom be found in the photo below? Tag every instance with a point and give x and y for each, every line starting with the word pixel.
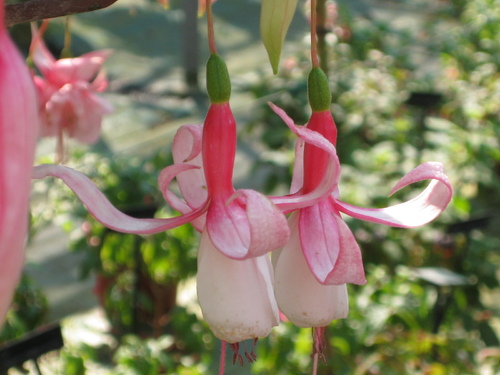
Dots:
pixel 18 132
pixel 329 255
pixel 68 93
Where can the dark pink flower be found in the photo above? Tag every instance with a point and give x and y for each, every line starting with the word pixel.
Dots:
pixel 18 132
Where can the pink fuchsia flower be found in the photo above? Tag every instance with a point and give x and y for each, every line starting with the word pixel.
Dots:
pixel 18 132
pixel 68 93
pixel 327 245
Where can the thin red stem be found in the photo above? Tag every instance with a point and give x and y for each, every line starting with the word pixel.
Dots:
pixel 222 363
pixel 210 24
pixel 314 38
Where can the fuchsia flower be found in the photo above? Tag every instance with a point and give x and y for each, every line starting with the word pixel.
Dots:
pixel 18 133
pixel 69 104
pixel 322 249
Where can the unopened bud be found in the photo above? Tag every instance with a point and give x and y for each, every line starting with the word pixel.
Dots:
pixel 218 82
pixel 318 91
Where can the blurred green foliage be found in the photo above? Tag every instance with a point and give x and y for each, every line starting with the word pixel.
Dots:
pixel 400 322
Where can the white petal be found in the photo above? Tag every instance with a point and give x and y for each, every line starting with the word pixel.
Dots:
pixel 236 296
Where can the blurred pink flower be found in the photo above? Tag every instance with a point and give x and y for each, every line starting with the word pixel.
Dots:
pixel 67 92
pixel 18 132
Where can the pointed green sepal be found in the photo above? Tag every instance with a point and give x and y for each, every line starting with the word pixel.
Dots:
pixel 218 82
pixel 275 18
pixel 318 91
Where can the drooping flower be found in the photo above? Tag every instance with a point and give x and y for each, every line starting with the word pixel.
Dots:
pixel 322 245
pixel 18 132
pixel 68 93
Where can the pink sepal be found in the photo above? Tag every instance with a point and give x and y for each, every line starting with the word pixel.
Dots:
pixel 332 173
pixel 104 212
pixel 415 212
pixel 164 180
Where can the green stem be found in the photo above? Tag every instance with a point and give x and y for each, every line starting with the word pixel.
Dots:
pixel 321 33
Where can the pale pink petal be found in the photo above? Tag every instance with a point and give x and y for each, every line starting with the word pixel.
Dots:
pixel 268 226
pixel 303 300
pixel 228 228
pixel 164 180
pixel 18 133
pixel 104 212
pixel 319 238
pixel 332 173
pixel 187 148
pixel 88 110
pixel 235 296
pixel 83 68
pixel 349 266
pixel 246 226
pixel 415 212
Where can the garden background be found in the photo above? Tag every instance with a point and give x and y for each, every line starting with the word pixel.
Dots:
pixel 412 81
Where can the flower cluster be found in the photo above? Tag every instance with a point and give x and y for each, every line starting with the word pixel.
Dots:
pixel 315 254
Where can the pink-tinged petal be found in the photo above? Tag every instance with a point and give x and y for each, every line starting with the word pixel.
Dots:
pixel 39 52
pixel 236 296
pixel 18 133
pixel 415 212
pixel 228 228
pixel 268 226
pixel 303 300
pixel 88 110
pixel 349 266
pixel 83 68
pixel 187 148
pixel 164 180
pixel 319 238
pixel 298 167
pixel 104 212
pixel 247 226
pixel 332 173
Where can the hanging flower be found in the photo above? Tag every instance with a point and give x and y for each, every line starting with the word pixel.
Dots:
pixel 326 244
pixel 18 131
pixel 68 93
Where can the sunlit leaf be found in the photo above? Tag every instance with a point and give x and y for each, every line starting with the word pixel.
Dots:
pixel 275 18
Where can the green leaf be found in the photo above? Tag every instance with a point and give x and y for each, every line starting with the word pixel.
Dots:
pixel 275 18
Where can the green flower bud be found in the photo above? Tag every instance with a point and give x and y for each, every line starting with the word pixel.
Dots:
pixel 318 91
pixel 218 82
